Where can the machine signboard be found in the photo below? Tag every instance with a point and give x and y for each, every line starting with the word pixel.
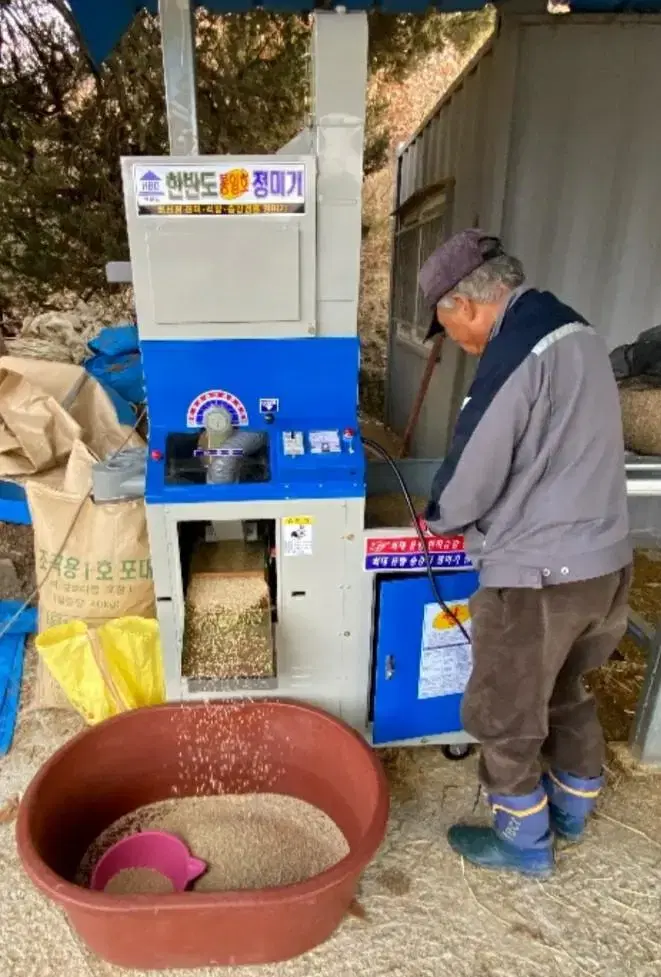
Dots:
pixel 219 189
pixel 405 553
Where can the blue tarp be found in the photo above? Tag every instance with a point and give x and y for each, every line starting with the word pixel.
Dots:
pixel 115 340
pixel 14 504
pixel 102 22
pixel 116 364
pixel 12 653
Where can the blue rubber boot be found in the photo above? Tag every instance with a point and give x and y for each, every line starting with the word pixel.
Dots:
pixel 519 841
pixel 571 801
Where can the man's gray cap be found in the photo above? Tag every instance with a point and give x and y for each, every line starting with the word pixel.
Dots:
pixel 453 261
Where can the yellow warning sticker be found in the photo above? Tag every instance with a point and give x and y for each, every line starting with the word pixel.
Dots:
pixel 297 535
pixel 445 620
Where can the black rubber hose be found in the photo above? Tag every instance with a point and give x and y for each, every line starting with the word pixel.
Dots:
pixel 376 447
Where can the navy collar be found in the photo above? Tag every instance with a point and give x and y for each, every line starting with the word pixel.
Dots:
pixel 514 296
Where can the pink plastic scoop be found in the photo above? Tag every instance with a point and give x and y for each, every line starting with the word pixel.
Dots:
pixel 157 850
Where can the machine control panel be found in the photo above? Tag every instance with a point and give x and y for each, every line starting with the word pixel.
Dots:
pixel 326 442
pixel 326 453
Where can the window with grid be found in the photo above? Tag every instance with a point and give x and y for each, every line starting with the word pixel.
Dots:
pixel 419 233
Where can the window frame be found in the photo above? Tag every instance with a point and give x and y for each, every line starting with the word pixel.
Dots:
pixel 416 215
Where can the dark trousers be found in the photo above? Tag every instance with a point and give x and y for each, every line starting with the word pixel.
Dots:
pixel 526 701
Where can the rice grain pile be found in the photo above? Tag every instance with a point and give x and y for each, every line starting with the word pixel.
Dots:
pixel 228 631
pixel 133 881
pixel 249 841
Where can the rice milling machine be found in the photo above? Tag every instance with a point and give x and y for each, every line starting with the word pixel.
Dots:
pixel 246 274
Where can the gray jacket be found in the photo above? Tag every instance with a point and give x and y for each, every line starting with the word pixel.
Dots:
pixel 535 475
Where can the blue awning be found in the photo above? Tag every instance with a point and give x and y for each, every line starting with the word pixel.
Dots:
pixel 102 22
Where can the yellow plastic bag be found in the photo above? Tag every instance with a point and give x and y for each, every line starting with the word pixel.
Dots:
pixel 106 670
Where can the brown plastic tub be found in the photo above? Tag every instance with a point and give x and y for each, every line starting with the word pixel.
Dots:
pixel 152 754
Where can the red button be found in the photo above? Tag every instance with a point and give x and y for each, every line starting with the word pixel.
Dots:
pixel 156 455
pixel 349 432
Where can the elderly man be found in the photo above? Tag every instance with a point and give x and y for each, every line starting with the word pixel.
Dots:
pixel 535 479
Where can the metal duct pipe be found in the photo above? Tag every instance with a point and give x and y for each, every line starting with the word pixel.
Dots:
pixel 226 468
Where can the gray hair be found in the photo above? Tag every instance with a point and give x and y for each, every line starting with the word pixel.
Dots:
pixel 488 282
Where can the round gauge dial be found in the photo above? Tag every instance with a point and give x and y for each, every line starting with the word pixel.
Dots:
pixel 218 421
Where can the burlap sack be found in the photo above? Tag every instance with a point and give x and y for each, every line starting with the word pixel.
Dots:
pixel 36 434
pixel 641 417
pixel 45 408
pixel 92 561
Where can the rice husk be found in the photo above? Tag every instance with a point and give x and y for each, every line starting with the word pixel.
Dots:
pixel 249 841
pixel 17 545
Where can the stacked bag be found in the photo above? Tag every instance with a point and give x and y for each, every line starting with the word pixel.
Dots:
pixel 637 369
pixel 92 560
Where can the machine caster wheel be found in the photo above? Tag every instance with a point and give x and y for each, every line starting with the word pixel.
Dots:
pixel 456 751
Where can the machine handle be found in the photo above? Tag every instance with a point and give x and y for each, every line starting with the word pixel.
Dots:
pixel 390 666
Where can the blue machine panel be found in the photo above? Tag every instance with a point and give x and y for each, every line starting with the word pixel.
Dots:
pixel 285 388
pixel 422 659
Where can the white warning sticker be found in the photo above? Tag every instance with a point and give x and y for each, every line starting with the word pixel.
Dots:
pixel 297 535
pixel 446 659
pixel 325 442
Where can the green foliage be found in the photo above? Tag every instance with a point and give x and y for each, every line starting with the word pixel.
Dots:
pixel 63 127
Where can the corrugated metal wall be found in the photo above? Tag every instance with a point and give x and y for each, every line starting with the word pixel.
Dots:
pixel 583 201
pixel 554 141
pixel 449 149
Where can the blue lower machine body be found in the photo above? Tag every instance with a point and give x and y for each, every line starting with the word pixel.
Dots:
pixel 422 659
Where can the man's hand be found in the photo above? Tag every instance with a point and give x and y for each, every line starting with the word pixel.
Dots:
pixel 422 523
